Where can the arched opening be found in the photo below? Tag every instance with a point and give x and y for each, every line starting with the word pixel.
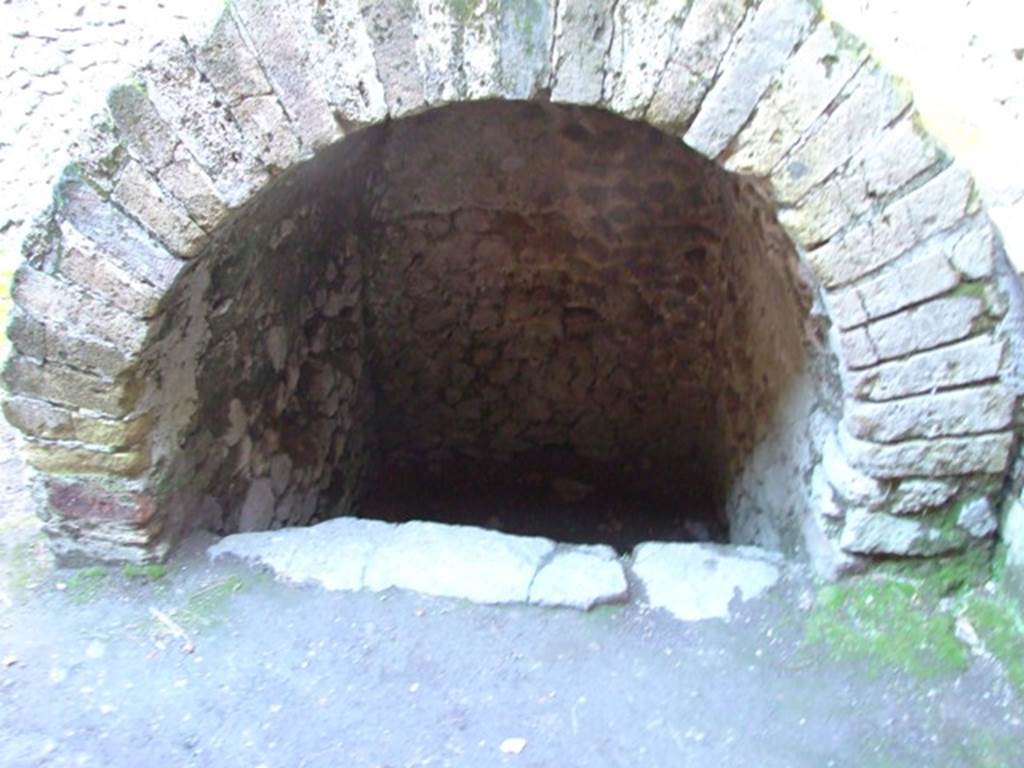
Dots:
pixel 228 318
pixel 544 319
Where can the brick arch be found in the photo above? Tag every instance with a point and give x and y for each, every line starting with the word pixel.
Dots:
pixel 890 226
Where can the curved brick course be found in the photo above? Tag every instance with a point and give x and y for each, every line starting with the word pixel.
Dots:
pixel 905 259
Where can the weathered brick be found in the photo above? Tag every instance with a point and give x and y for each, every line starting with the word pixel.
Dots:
pixel 850 483
pixel 190 184
pixel 879 169
pixel 33 339
pixel 139 194
pixel 921 275
pixel 876 533
pixel 117 236
pixel 640 47
pixel 46 420
pixel 234 70
pixel 525 30
pixel 192 107
pixel 973 252
pixel 84 264
pixel 926 326
pixel 56 458
pixel 342 57
pixel 148 138
pixel 231 66
pixel 65 385
pixel 947 456
pixel 89 500
pixel 959 412
pixel 700 47
pixel 394 44
pixel 968 362
pixel 581 44
pixel 764 45
pixel 915 495
pixel 279 36
pixel 811 80
pixel 43 296
pixel 882 238
pixel 872 100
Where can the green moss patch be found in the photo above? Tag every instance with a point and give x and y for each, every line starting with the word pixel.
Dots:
pixel 888 623
pixel 940 577
pixel 975 290
pixel 151 572
pixel 24 562
pixel 604 613
pixel 1000 627
pixel 462 9
pixel 205 607
pixel 85 584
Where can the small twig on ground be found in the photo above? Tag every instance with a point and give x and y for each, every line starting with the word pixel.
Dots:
pixel 175 628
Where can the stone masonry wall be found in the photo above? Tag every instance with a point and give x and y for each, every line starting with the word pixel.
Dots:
pixel 561 279
pixel 57 61
pixel 547 278
pixel 265 359
pixel 910 273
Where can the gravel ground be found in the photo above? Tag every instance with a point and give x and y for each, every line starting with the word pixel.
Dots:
pixel 220 665
pixel 268 674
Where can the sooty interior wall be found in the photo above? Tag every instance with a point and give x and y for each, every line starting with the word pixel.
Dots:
pixel 491 290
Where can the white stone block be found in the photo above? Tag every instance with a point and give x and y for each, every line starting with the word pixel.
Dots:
pixel 880 168
pixel 876 533
pixel 925 326
pixel 957 412
pixel 582 38
pixel 947 456
pixel 342 58
pixel 915 495
pixel 973 252
pixel 699 581
pixel 811 80
pixel 138 194
pixel 922 274
pixel 978 518
pixel 580 578
pixel 642 41
pixel 850 483
pixel 968 362
pixel 698 53
pixel 871 101
pixel 764 45
pixel 278 34
pixel 880 239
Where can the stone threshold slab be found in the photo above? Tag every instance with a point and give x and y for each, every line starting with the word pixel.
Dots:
pixel 476 564
pixel 691 581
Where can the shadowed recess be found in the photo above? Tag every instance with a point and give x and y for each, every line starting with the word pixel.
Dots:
pixel 543 319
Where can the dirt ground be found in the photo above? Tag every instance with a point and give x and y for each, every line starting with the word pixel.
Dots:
pixel 219 665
